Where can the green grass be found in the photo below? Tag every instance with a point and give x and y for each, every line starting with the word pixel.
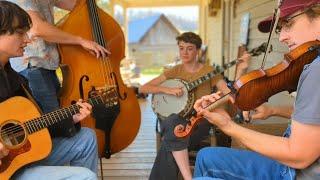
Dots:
pixel 152 71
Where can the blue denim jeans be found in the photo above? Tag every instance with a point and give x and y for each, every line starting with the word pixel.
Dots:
pixel 235 164
pixel 44 85
pixel 79 151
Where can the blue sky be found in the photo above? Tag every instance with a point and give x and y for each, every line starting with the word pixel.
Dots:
pixel 192 11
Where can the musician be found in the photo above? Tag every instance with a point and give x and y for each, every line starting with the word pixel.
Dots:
pixel 41 57
pixel 295 156
pixel 173 153
pixel 69 147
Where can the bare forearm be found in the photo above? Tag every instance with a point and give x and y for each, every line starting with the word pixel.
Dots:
pixel 51 33
pixel 283 111
pixel 67 4
pixel 153 89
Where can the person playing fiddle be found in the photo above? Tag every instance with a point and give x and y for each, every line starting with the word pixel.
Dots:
pixel 294 156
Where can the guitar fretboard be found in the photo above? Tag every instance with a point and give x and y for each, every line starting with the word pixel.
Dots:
pixel 54 117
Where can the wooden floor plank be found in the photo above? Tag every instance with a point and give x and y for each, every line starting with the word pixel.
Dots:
pixel 135 161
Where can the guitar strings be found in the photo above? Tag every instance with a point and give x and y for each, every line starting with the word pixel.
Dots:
pixel 55 114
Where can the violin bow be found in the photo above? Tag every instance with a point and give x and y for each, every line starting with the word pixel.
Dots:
pixel 274 22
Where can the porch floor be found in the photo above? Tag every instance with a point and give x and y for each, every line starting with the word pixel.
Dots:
pixel 135 162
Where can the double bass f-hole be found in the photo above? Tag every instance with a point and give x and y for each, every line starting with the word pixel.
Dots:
pixel 114 76
pixel 86 78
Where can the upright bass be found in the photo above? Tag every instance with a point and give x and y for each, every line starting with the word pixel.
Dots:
pixel 117 123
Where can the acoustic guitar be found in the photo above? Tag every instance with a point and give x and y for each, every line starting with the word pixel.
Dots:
pixel 24 132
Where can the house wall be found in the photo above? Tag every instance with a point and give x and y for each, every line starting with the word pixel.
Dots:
pixel 214 38
pixel 157 48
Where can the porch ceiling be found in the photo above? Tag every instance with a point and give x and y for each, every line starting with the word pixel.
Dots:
pixel 157 3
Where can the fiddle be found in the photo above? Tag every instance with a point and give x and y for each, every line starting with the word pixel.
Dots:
pixel 256 87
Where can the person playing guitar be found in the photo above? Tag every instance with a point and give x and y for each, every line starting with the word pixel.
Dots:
pixel 80 148
pixel 173 153
pixel 297 154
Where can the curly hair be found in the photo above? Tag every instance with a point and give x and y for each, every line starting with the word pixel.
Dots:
pixel 190 37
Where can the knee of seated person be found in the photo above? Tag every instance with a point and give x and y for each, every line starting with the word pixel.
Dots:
pixel 203 152
pixel 88 135
pixel 173 116
pixel 85 173
pixel 206 152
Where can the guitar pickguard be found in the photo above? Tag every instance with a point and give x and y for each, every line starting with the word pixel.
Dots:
pixel 7 160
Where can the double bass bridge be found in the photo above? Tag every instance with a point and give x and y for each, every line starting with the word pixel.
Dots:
pixel 110 94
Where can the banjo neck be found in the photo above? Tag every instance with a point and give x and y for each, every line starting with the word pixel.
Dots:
pixel 217 70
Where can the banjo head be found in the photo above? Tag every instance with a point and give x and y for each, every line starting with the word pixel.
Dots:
pixel 164 105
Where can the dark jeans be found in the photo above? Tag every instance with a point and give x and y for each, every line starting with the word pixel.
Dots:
pixel 226 163
pixel 165 167
pixel 44 85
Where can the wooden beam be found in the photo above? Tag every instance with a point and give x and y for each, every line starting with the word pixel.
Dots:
pixel 159 3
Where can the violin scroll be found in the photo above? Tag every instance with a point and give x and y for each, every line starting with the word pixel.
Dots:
pixel 181 131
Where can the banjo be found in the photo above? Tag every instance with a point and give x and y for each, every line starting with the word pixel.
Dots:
pixel 164 105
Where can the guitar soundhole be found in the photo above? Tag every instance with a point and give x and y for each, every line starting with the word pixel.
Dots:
pixel 13 134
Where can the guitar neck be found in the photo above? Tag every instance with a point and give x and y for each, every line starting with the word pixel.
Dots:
pixel 57 116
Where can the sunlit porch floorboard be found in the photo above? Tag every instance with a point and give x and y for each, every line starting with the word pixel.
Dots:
pixel 135 162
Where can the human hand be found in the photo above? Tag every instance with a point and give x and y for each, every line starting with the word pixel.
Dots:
pixel 204 101
pixel 262 112
pixel 3 152
pixel 218 117
pixel 243 61
pixel 94 48
pixel 174 91
pixel 84 111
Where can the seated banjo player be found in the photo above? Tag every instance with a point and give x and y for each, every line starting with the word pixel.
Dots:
pixel 173 153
